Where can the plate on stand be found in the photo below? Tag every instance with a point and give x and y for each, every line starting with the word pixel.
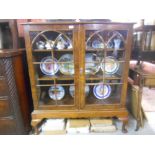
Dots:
pixel 49 66
pixel 56 92
pixel 109 65
pixel 92 62
pixel 66 65
pixel 102 91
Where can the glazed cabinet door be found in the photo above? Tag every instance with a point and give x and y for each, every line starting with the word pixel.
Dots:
pixel 53 65
pixel 105 61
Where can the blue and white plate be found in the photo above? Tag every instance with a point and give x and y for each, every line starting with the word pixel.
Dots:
pixel 49 66
pixel 72 90
pixel 56 92
pixel 102 91
pixel 109 65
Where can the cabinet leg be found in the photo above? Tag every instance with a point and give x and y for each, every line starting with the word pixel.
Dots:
pixel 124 129
pixel 137 126
pixel 36 125
pixel 35 130
pixel 124 124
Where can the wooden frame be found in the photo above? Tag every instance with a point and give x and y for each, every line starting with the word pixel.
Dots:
pixel 14 32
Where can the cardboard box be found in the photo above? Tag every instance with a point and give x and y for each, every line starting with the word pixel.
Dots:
pixel 101 122
pixel 78 126
pixel 54 126
pixel 110 128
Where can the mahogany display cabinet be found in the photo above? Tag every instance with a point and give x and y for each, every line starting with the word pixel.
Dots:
pixel 78 69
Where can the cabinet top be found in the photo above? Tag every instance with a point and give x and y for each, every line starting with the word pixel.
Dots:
pixel 10 52
pixel 74 22
pixel 145 28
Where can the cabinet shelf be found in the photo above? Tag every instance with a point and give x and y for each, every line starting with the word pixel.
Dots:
pixel 50 50
pixel 66 101
pixel 112 100
pixel 88 77
pixel 39 62
pixel 71 50
pixel 104 49
pixel 107 83
pixel 48 85
pixel 101 77
pixel 96 62
pixel 59 77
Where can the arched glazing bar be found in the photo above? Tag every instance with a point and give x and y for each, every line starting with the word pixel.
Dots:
pixel 114 35
pixel 95 34
pixel 60 34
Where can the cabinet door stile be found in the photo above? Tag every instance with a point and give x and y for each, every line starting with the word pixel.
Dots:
pixel 126 69
pixel 81 40
pixel 76 66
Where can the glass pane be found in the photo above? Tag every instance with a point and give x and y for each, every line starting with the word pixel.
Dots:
pixel 53 60
pixel 104 62
pixel 108 92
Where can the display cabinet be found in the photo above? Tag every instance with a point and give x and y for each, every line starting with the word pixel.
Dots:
pixel 78 69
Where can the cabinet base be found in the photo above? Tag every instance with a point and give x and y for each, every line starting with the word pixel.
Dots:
pixel 40 116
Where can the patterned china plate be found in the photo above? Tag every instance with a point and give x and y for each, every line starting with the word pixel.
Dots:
pixel 110 66
pixel 49 66
pixel 56 92
pixel 92 63
pixel 102 91
pixel 66 68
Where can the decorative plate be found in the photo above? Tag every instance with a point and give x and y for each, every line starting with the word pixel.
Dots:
pixel 102 91
pixel 97 44
pixel 110 66
pixel 49 66
pixel 92 62
pixel 66 68
pixel 72 90
pixel 56 92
